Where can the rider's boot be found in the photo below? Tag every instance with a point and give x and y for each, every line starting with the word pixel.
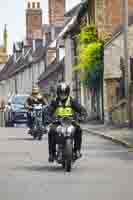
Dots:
pixel 29 132
pixel 77 154
pixel 51 157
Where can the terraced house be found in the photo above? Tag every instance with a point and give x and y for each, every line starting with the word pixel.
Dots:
pixel 17 75
pixel 31 56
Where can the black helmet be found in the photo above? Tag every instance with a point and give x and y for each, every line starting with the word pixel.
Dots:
pixel 63 91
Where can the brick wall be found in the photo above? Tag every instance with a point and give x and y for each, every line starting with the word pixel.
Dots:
pixel 56 11
pixel 108 14
pixel 33 22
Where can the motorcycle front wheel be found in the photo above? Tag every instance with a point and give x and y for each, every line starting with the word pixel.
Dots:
pixel 68 155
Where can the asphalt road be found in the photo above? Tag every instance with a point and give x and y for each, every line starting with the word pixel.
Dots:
pixel 105 170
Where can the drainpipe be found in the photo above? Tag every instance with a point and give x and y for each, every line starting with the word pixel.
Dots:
pixel 127 66
pixel 125 43
pixel 16 90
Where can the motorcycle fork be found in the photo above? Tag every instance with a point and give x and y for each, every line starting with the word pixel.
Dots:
pixel 60 151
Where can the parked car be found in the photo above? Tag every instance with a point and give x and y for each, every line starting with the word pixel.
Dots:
pixel 15 111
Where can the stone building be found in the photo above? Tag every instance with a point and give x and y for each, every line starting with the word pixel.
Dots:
pixel 32 57
pixel 27 62
pixel 114 94
pixel 107 14
pixel 54 59
pixel 21 72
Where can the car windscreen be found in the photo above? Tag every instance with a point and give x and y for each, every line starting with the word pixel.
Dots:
pixel 19 100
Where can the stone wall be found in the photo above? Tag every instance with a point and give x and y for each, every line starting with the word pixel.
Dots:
pixel 112 72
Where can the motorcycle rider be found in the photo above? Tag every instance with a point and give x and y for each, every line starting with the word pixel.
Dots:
pixel 34 98
pixel 64 105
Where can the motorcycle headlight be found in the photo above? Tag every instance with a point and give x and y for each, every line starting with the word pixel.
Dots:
pixel 59 129
pixel 63 130
pixel 70 129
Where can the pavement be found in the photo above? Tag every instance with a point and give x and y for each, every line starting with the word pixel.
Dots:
pixel 123 136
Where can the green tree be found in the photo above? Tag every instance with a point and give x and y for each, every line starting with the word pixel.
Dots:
pixel 90 60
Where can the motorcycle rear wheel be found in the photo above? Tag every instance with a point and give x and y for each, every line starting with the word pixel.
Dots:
pixel 34 137
pixel 63 165
pixel 40 137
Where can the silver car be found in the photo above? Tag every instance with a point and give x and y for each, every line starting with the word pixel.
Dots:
pixel 15 111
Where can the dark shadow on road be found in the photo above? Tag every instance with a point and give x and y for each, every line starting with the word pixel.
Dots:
pixel 14 139
pixel 46 168
pixel 25 139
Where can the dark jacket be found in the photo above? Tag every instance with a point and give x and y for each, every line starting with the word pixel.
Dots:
pixel 34 100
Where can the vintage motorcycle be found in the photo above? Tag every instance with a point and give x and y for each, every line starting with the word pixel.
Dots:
pixel 38 128
pixel 64 139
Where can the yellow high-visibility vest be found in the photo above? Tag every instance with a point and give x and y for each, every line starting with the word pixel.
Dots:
pixel 64 111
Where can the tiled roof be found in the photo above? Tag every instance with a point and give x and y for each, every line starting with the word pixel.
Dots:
pixel 7 68
pixel 54 66
pixel 73 22
pixel 38 54
pixel 12 68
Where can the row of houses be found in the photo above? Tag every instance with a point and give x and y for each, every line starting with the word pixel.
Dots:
pixel 44 63
pixel 48 64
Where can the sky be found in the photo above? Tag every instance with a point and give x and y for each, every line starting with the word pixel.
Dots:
pixel 12 13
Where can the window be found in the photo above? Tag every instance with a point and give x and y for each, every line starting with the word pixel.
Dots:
pixel 33 5
pixel 28 4
pixel 19 99
pixel 61 53
pixel 38 4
